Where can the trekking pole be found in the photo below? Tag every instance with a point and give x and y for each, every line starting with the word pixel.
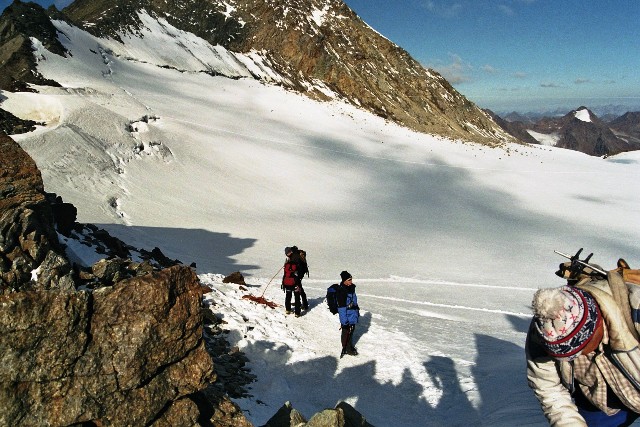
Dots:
pixel 274 276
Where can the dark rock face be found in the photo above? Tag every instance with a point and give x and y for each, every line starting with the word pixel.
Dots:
pixel 627 127
pixel 119 356
pixel 18 23
pixel 514 128
pixel 343 415
pixel 28 242
pixel 12 125
pixel 593 136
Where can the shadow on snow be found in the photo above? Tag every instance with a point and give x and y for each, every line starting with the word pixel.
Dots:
pixel 211 251
pixel 499 376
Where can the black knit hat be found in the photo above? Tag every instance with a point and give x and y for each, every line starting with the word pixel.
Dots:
pixel 345 275
pixel 287 250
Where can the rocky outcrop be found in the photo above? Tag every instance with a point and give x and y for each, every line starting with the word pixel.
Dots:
pixel 30 255
pixel 581 130
pixel 18 23
pixel 13 125
pixel 591 135
pixel 627 126
pixel 516 129
pixel 131 351
pixel 343 415
pixel 122 355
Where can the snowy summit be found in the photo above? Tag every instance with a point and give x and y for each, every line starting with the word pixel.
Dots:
pixel 583 114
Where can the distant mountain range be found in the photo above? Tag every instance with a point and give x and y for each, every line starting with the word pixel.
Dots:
pixel 579 130
pixel 604 112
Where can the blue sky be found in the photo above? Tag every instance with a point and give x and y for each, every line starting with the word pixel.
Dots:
pixel 521 54
pixel 516 54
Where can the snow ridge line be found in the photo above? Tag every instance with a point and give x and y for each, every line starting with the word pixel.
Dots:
pixel 428 282
pixel 433 304
pixel 351 153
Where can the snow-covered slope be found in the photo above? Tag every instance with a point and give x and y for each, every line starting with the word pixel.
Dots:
pixel 446 241
pixel 423 360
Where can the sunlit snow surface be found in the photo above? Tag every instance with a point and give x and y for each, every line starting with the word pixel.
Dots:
pixel 446 240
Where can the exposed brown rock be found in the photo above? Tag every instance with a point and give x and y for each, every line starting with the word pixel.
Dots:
pixel 19 22
pixel 28 242
pixel 343 415
pixel 121 355
pixel 128 354
pixel 235 277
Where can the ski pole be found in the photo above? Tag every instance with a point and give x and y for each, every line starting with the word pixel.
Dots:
pixel 274 276
pixel 597 270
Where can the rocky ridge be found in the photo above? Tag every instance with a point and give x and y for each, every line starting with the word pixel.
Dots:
pixel 18 23
pixel 627 126
pixel 130 352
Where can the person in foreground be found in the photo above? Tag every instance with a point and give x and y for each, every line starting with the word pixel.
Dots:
pixel 348 311
pixel 583 361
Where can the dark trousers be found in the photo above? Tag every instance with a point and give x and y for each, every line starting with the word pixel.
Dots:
pixel 347 337
pixel 300 298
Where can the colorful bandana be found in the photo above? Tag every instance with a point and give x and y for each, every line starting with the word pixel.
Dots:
pixel 569 332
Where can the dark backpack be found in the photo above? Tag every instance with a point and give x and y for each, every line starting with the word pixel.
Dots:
pixel 304 267
pixel 302 262
pixel 332 298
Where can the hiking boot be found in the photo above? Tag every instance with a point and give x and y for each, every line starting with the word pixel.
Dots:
pixel 298 315
pixel 288 312
pixel 352 352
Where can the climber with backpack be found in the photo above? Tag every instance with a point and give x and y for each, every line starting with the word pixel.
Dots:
pixel 342 299
pixel 582 347
pixel 295 268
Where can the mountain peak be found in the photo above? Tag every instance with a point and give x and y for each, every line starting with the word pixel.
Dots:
pixel 583 114
pixel 319 48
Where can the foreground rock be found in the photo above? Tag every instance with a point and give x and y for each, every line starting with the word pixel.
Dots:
pixel 123 355
pixel 343 415
pixel 127 349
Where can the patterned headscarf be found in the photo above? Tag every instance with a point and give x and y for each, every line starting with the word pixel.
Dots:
pixel 566 319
